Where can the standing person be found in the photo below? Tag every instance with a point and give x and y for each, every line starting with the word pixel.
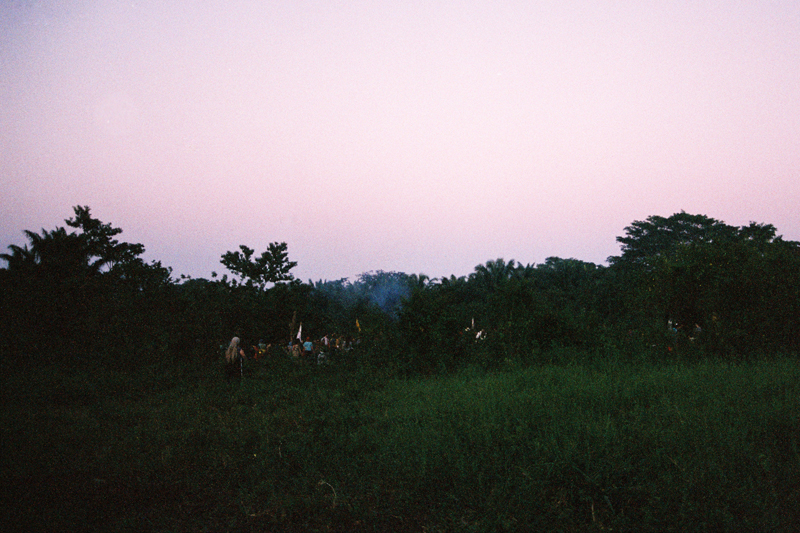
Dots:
pixel 260 350
pixel 308 349
pixel 296 350
pixel 234 356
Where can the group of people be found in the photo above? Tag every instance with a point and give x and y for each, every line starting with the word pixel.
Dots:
pixel 320 351
pixel 308 351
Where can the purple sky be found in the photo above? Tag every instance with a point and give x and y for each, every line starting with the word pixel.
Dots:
pixel 423 137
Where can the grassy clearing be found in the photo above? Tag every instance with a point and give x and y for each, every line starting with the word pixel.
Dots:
pixel 670 447
pixel 707 446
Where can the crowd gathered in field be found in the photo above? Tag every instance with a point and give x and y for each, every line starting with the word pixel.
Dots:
pixel 306 350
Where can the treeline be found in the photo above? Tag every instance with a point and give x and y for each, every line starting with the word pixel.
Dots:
pixel 686 286
pixel 683 287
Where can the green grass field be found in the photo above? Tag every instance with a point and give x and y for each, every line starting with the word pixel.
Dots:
pixel 709 446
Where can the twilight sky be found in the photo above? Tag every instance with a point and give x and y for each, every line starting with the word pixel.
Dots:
pixel 422 137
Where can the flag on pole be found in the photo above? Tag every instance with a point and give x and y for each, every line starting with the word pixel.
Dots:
pixel 300 332
pixel 291 326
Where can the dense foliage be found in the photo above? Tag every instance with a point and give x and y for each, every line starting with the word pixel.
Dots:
pixel 683 286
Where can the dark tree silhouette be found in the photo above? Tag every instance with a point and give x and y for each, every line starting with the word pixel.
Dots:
pixel 272 266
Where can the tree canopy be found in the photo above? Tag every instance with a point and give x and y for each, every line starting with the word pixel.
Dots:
pixel 272 266
pixel 86 291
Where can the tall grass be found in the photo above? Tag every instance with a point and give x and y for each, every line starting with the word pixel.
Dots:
pixel 623 447
pixel 705 446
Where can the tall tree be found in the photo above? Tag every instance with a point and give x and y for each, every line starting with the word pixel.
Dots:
pixel 733 283
pixel 102 250
pixel 73 291
pixel 658 235
pixel 272 266
pixel 493 274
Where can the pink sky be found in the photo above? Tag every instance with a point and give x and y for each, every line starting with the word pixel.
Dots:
pixel 423 137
